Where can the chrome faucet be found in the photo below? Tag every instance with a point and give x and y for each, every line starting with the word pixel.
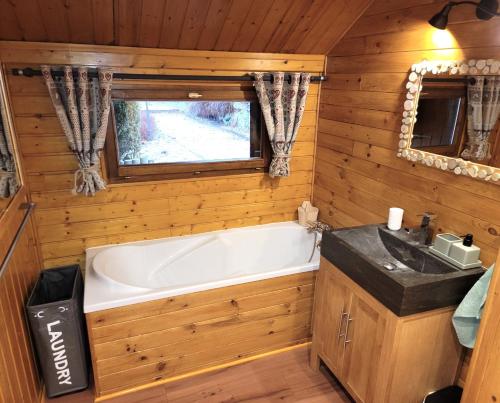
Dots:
pixel 317 226
pixel 423 233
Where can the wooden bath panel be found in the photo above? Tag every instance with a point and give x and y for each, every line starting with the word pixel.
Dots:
pixel 153 341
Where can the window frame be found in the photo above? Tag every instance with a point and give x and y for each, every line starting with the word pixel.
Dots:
pixel 117 173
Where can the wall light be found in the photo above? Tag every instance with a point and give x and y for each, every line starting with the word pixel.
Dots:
pixel 443 39
pixel 485 10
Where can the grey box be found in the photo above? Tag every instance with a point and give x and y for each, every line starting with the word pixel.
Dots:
pixel 443 242
pixel 464 254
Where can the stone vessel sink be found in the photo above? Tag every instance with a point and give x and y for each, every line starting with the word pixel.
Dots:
pixel 400 273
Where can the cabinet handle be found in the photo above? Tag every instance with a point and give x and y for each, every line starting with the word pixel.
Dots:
pixel 349 320
pixel 342 315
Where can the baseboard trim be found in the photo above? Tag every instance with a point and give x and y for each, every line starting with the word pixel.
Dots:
pixel 199 372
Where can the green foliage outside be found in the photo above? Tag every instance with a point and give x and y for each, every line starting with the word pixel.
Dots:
pixel 128 127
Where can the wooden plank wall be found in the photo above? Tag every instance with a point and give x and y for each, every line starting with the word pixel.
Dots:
pixel 358 176
pixel 68 224
pixel 150 342
pixel 19 379
pixel 287 26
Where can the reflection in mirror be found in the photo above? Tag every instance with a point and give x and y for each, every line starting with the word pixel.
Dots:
pixel 441 116
pixel 483 110
pixel 458 117
pixel 9 182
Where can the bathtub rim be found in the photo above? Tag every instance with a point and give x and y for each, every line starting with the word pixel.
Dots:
pixel 103 293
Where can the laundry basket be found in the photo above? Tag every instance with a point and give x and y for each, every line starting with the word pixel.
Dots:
pixel 55 315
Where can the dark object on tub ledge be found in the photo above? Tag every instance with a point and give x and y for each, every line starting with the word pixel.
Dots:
pixel 379 261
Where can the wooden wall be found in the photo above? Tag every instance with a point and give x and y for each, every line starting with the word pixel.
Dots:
pixel 358 176
pixel 68 224
pixel 287 26
pixel 19 379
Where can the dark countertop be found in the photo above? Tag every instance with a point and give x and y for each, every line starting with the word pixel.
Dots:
pixel 403 290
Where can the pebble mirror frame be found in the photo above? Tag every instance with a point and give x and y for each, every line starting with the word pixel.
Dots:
pixel 458 166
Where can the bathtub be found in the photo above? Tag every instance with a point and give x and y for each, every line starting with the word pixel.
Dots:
pixel 131 273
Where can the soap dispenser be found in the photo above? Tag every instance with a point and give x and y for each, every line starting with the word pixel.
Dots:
pixel 465 253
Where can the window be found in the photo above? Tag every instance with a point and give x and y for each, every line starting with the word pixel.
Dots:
pixel 184 130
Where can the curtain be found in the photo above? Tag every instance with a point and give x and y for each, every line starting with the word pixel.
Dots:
pixel 483 98
pixel 282 104
pixel 8 173
pixel 82 106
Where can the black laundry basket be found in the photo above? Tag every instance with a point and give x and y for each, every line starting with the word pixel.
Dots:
pixel 55 314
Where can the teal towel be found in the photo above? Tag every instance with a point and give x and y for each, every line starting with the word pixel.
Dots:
pixel 468 314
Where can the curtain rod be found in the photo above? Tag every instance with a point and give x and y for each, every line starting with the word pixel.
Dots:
pixel 29 72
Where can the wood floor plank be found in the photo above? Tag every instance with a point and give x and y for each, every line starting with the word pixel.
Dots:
pixel 284 377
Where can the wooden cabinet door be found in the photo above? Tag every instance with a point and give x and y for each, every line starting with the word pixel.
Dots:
pixel 330 315
pixel 362 348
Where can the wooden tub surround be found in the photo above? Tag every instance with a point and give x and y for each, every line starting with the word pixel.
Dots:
pixel 153 342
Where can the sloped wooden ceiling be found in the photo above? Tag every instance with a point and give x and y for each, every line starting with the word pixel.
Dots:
pixel 286 26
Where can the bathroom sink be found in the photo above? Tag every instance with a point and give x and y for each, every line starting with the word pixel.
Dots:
pixel 396 270
pixel 412 256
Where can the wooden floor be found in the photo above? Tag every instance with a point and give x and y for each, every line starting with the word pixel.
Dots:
pixel 284 377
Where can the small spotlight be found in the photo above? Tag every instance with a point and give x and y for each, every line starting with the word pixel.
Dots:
pixel 485 10
pixel 440 20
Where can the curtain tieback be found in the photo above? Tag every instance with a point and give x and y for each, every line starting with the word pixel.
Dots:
pixel 480 136
pixel 282 155
pixel 7 174
pixel 83 174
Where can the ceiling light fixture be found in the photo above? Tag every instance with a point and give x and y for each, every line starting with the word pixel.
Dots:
pixel 485 10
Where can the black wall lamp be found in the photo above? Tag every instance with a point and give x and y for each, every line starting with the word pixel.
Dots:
pixel 485 10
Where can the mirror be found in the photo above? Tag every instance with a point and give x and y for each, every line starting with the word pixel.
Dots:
pixel 9 178
pixel 451 117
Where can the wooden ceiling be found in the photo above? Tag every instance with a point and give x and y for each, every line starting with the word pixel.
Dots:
pixel 286 26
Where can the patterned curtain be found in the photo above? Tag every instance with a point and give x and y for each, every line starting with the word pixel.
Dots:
pixel 282 105
pixel 483 97
pixel 8 173
pixel 82 106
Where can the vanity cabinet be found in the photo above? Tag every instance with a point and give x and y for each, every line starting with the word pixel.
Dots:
pixel 376 355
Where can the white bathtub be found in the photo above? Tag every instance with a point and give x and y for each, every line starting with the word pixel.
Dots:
pixel 119 275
